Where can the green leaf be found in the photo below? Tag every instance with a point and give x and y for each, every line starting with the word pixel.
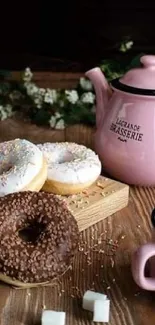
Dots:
pixel 40 116
pixel 112 68
pixel 135 62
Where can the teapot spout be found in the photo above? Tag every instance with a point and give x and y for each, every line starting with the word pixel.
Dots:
pixel 102 90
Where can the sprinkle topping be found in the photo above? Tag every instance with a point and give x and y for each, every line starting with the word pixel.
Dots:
pixel 70 162
pixel 20 162
pixel 38 236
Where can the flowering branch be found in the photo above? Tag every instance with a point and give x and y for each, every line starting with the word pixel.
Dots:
pixel 56 108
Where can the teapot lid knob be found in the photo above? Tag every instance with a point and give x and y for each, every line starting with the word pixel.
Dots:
pixel 148 61
pixel 140 79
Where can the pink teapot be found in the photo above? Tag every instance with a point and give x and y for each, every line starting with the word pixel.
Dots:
pixel 125 123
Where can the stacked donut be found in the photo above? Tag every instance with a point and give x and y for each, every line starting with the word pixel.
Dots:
pixel 71 167
pixel 38 234
pixel 22 167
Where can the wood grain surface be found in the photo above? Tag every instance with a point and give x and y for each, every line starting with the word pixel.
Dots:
pixel 51 79
pixel 102 264
pixel 14 128
pixel 98 202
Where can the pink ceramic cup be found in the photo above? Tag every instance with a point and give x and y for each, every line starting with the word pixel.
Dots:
pixel 144 254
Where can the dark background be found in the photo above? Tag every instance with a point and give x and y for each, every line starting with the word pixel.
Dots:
pixel 72 35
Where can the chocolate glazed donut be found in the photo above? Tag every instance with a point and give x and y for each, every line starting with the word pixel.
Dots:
pixel 38 238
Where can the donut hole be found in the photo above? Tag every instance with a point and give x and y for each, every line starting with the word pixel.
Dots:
pixel 5 168
pixel 63 157
pixel 32 231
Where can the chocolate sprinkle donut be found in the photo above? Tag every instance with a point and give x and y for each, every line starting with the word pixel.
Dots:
pixel 38 236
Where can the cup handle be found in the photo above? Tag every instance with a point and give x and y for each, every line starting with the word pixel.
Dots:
pixel 138 263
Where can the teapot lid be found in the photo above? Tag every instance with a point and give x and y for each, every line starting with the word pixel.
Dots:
pixel 140 81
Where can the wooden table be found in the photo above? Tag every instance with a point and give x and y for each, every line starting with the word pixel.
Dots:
pixel 102 264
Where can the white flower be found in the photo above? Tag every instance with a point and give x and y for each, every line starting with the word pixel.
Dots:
pixel 50 96
pixel 5 112
pixel 86 84
pixel 36 93
pixel 27 75
pixel 15 95
pixel 88 98
pixel 42 91
pixel 57 115
pixel 56 121
pixel 52 121
pixel 129 45
pixel 126 46
pixel 3 115
pixel 72 96
pixel 31 88
pixel 60 125
pixel 8 109
pixel 38 100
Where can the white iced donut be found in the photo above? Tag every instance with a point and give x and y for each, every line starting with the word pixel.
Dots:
pixel 71 167
pixel 22 167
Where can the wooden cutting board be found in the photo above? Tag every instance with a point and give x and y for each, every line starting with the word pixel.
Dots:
pixel 98 202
